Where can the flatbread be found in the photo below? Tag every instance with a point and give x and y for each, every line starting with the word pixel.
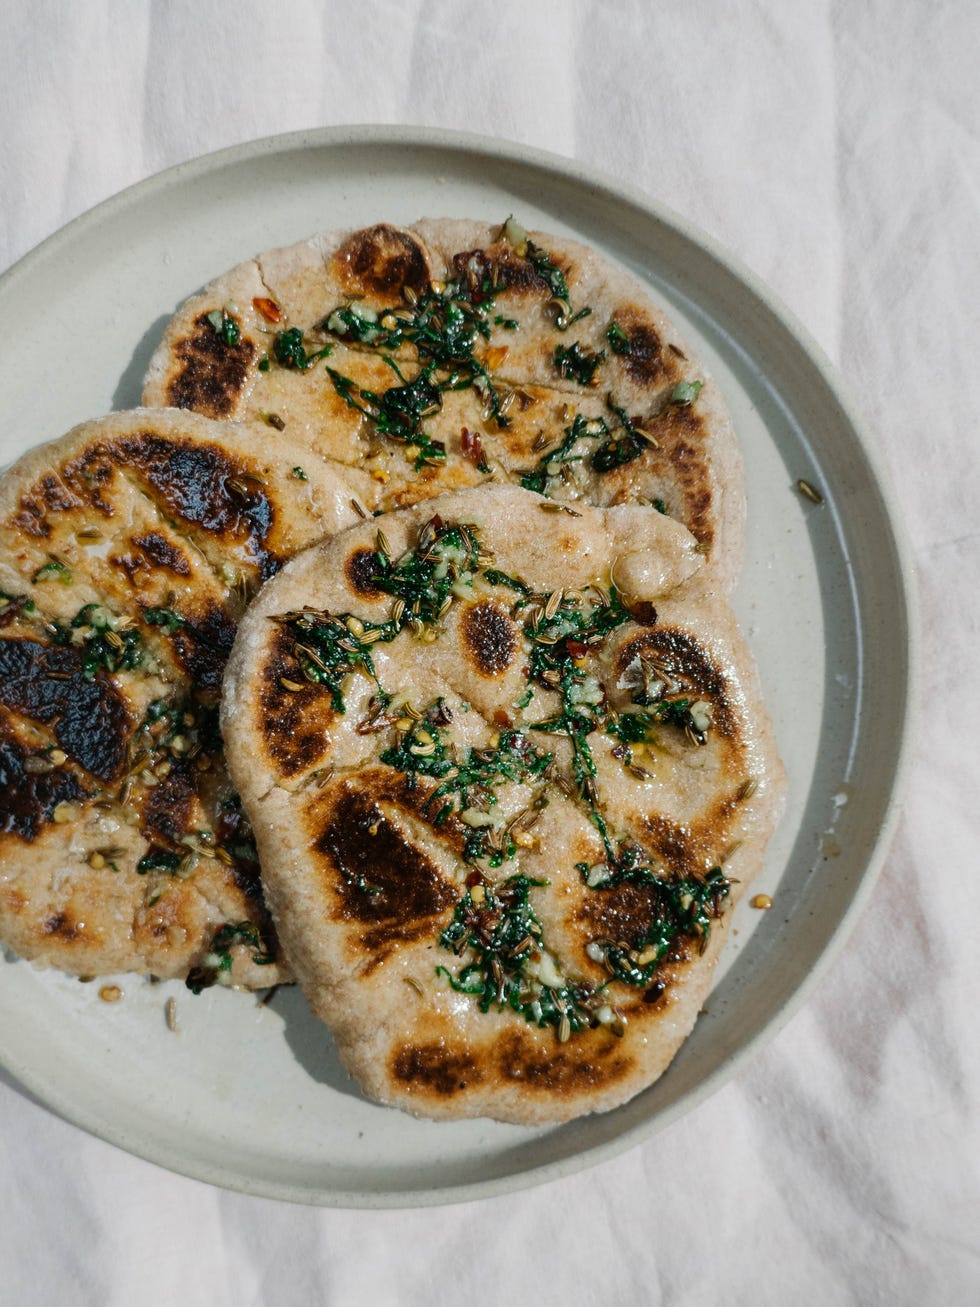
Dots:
pixel 128 550
pixel 531 359
pixel 501 755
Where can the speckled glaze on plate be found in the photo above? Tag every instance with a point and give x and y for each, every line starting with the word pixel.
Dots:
pixel 254 1098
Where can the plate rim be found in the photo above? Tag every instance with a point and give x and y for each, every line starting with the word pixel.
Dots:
pixel 599 182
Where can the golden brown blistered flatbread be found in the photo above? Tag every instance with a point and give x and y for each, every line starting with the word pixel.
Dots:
pixel 452 354
pixel 128 550
pixel 508 767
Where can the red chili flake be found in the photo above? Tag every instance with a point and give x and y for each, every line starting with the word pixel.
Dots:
pixel 269 309
pixel 472 447
pixel 576 649
pixel 474 878
pixel 500 718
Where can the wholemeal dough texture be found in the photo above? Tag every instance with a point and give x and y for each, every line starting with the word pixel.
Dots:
pixel 128 550
pixel 453 354
pixel 508 768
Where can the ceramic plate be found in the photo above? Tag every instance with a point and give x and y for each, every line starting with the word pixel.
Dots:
pixel 254 1097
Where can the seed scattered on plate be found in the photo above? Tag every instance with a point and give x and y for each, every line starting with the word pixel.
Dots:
pixel 170 1011
pixel 110 993
pixel 809 492
pixel 762 902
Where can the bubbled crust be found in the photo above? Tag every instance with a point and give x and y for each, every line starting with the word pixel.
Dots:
pixel 361 876
pixel 691 465
pixel 141 511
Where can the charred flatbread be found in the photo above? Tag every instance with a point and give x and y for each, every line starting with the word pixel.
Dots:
pixel 508 768
pixel 128 550
pixel 452 354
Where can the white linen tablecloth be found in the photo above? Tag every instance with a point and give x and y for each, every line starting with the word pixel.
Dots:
pixel 835 148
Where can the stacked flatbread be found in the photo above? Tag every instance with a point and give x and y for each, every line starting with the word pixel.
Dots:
pixel 128 550
pixel 502 746
pixel 453 354
pixel 507 770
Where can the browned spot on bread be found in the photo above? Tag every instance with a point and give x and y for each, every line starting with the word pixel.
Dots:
pixel 202 646
pixel 294 723
pixel 379 876
pixel 211 374
pixel 684 439
pixel 693 849
pixel 644 362
pixel 678 847
pixel 488 637
pixel 200 484
pixel 30 521
pixel 621 912
pixel 49 495
pixel 591 1060
pixel 12 900
pixel 170 805
pixel 500 267
pixel 62 925
pixel 134 565
pixel 27 800
pixel 380 940
pixel 171 919
pixel 90 718
pixel 685 657
pixel 90 479
pixel 435 1069
pixel 361 570
pixel 162 553
pixel 382 261
pixel 643 612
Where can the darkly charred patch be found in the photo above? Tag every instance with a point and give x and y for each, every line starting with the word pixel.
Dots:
pixel 643 612
pixel 28 800
pixel 202 646
pixel 294 722
pixel 435 1068
pixel 169 806
pixel 686 658
pixel 162 553
pixel 361 570
pixel 382 261
pixel 566 1068
pixel 644 359
pixel 234 833
pixel 211 373
pixel 488 637
pixel 382 877
pixel 90 719
pixel 498 268
pixel 201 485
